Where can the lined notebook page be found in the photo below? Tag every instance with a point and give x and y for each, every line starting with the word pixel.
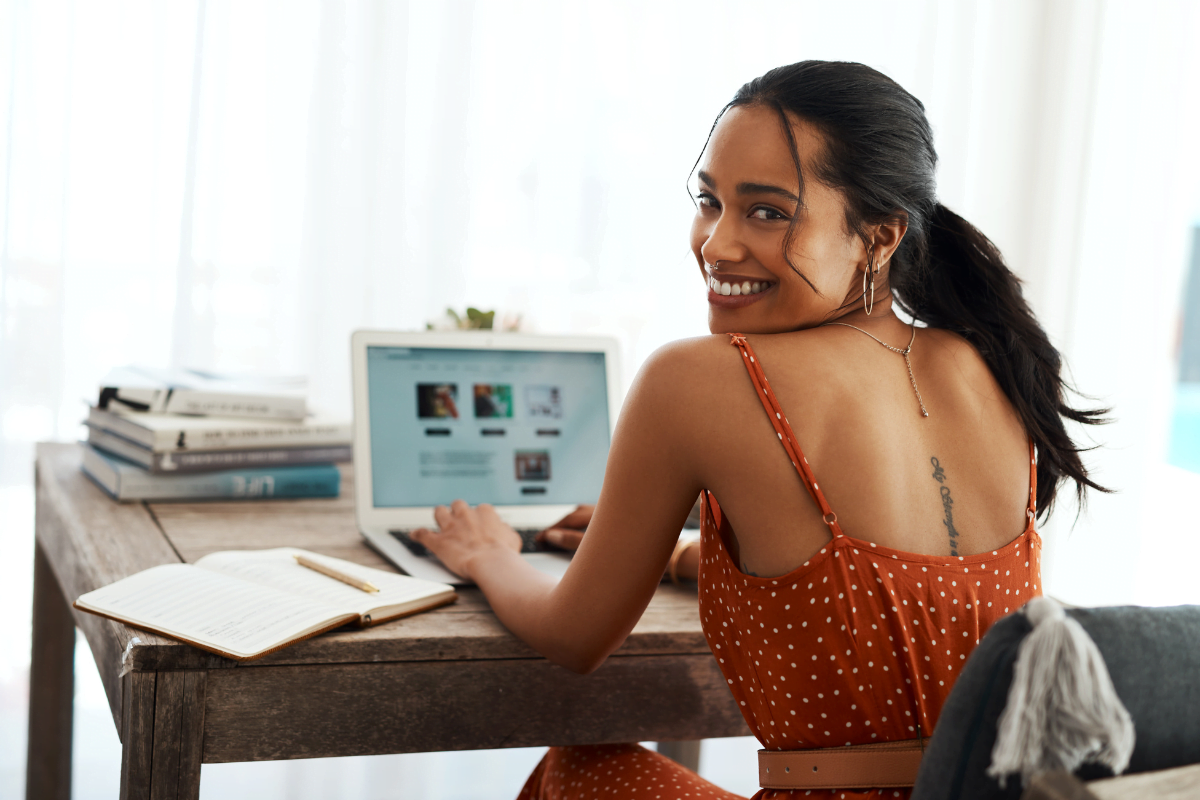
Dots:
pixel 207 607
pixel 278 569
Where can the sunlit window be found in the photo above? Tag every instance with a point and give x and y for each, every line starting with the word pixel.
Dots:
pixel 1185 420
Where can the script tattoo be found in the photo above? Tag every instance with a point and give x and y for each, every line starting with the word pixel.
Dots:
pixel 747 571
pixel 939 475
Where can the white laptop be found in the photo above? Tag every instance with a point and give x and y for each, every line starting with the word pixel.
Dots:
pixel 519 421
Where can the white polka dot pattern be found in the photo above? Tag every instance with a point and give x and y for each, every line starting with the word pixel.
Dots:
pixel 881 662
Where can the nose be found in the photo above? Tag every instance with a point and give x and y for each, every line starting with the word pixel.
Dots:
pixel 722 241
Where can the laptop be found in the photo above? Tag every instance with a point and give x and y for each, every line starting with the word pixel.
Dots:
pixel 516 420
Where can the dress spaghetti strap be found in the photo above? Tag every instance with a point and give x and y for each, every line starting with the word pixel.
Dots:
pixel 784 430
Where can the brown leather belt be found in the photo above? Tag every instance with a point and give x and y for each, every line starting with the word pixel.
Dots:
pixel 885 765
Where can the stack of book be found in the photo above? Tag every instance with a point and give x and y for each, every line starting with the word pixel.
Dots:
pixel 186 435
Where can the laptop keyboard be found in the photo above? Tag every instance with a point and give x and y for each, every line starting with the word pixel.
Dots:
pixel 528 543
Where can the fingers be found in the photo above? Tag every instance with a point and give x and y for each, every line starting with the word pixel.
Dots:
pixel 459 506
pixel 560 537
pixel 579 518
pixel 442 516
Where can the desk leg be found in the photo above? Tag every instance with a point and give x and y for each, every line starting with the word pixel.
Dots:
pixel 686 753
pixel 51 687
pixel 163 720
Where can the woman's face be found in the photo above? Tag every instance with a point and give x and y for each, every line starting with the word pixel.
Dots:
pixel 747 194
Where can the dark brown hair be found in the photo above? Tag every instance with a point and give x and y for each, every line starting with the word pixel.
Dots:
pixel 945 273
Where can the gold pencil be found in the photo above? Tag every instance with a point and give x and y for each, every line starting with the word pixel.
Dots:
pixel 357 583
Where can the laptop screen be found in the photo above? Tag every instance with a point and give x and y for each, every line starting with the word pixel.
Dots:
pixel 506 427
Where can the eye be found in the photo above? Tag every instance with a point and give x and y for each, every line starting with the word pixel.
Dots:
pixel 706 199
pixel 767 214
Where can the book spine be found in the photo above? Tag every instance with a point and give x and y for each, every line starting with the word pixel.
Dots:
pixel 101 472
pixel 188 461
pixel 222 404
pixel 114 423
pixel 271 436
pixel 250 484
pixel 120 446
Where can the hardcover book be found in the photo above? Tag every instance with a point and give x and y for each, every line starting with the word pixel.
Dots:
pixel 184 461
pixel 165 433
pixel 127 481
pixel 189 391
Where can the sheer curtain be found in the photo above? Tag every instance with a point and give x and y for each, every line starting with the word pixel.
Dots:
pixel 239 185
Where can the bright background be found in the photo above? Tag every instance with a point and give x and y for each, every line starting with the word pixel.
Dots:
pixel 238 185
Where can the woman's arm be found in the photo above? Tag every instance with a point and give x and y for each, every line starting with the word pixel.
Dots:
pixel 568 533
pixel 650 483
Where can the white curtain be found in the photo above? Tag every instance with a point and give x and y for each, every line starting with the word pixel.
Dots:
pixel 238 185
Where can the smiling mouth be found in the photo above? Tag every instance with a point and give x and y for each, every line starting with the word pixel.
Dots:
pixel 736 289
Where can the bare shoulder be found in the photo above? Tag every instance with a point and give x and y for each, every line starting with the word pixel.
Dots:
pixel 960 365
pixel 709 365
pixel 686 362
pixel 951 345
pixel 684 382
pixel 695 351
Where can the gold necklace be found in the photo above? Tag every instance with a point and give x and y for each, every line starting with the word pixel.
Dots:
pixel 904 352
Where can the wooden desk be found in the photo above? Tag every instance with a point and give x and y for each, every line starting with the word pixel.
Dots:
pixel 450 679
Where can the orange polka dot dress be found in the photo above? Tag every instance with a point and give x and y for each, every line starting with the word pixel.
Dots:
pixel 858 645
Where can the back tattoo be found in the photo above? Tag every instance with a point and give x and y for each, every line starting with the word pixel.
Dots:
pixel 939 475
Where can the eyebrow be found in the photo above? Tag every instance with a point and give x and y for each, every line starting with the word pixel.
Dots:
pixel 753 188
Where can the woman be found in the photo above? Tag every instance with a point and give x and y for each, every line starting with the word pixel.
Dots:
pixel 855 556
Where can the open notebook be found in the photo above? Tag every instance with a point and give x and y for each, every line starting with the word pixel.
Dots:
pixel 243 604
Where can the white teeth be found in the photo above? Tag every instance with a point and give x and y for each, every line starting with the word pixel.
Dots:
pixel 737 289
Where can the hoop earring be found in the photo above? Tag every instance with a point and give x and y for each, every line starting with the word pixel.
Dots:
pixel 869 283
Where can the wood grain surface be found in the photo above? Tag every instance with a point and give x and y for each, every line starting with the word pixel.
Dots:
pixel 51 688
pixel 91 541
pixel 101 541
pixel 179 698
pixel 453 678
pixel 137 723
pixel 467 629
pixel 347 709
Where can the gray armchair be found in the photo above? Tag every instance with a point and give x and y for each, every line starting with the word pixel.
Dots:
pixel 1153 658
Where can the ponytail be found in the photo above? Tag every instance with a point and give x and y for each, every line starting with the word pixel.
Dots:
pixel 965 287
pixel 879 153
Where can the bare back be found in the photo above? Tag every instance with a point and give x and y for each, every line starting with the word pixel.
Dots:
pixel 956 481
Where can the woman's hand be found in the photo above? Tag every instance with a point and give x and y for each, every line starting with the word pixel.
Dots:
pixel 568 532
pixel 467 534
